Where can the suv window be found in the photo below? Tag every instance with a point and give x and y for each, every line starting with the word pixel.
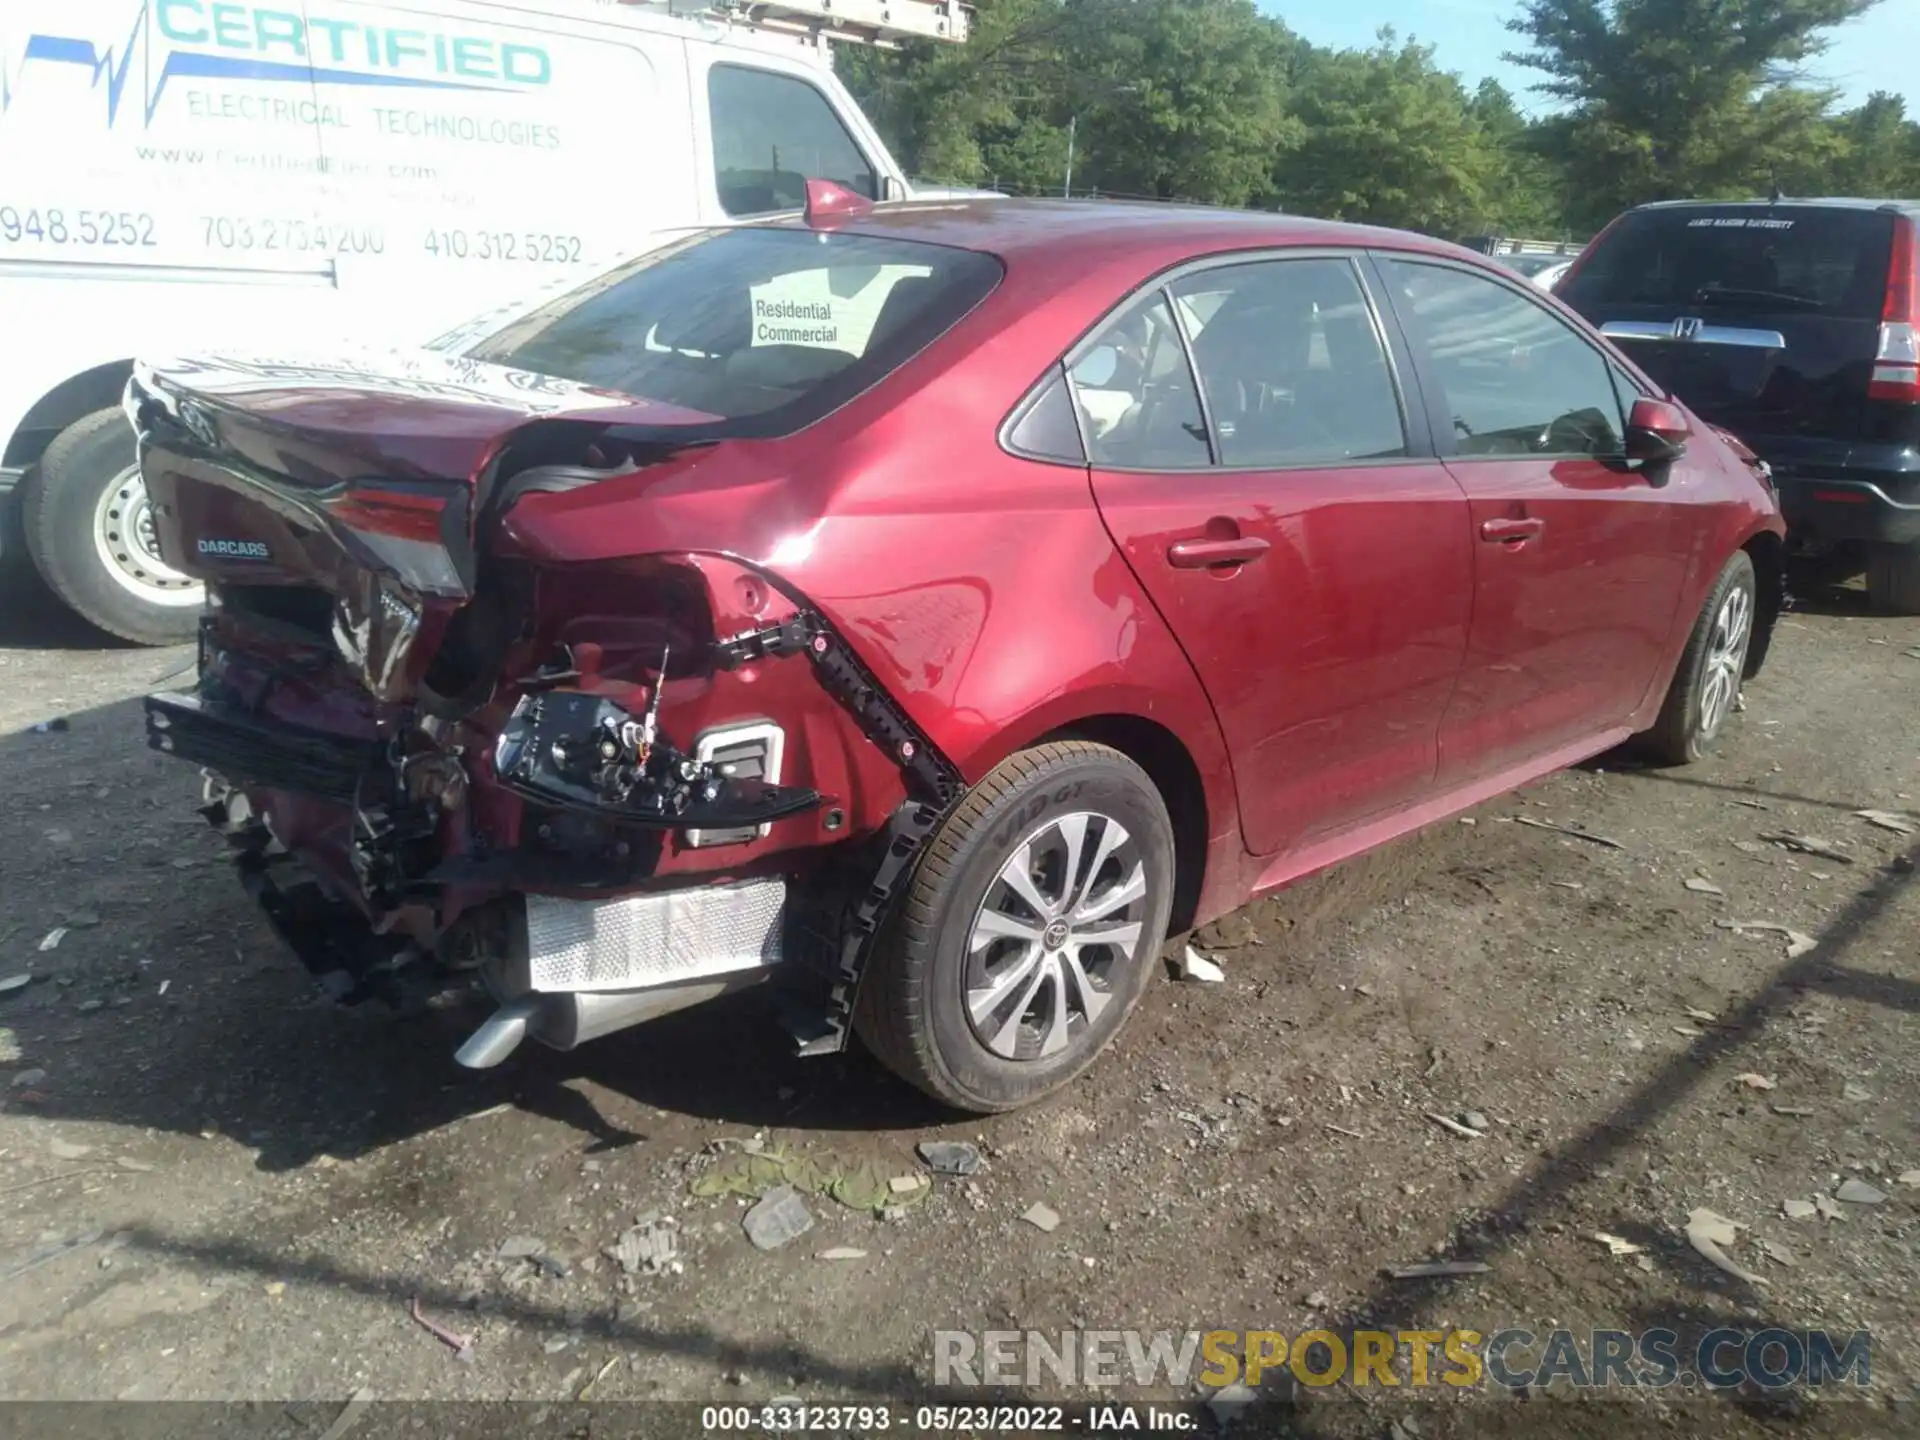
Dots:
pixel 1790 261
pixel 1291 364
pixel 763 330
pixel 1518 380
pixel 771 134
pixel 1138 406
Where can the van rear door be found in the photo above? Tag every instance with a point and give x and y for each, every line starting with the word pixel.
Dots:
pixel 1764 318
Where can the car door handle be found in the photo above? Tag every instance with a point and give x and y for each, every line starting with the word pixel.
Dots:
pixel 1512 532
pixel 1206 554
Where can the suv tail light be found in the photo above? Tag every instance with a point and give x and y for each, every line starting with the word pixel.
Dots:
pixel 1896 368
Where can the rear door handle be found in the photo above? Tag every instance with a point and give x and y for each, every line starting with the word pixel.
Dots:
pixel 1512 532
pixel 1206 554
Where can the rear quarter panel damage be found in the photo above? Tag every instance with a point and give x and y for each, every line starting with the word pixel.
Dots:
pixel 980 589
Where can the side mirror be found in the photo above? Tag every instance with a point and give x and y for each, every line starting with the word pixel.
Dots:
pixel 1657 432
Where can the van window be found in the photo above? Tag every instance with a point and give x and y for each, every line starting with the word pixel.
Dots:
pixel 763 329
pixel 771 134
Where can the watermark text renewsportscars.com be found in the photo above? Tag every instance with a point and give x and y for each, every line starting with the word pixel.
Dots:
pixel 1051 1362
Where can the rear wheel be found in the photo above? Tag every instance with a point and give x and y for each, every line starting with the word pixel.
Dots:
pixel 90 530
pixel 1028 932
pixel 1893 579
pixel 1706 686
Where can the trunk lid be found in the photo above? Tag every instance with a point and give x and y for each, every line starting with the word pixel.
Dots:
pixel 370 478
pixel 1765 319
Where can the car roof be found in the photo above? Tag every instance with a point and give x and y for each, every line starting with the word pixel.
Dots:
pixel 1038 229
pixel 1825 202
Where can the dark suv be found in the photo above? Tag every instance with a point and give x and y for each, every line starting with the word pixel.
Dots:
pixel 1796 325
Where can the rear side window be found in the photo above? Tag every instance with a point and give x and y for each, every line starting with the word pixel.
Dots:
pixel 771 134
pixel 1787 261
pixel 1138 406
pixel 1291 364
pixel 764 329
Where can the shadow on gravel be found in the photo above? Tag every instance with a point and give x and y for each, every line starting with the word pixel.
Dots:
pixel 1670 1088
pixel 441 1303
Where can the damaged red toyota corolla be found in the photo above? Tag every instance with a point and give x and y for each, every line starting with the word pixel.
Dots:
pixel 925 607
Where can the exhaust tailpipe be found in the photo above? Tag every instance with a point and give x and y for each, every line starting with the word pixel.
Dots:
pixel 566 1021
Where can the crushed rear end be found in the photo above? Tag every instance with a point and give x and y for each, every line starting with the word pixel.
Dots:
pixel 597 792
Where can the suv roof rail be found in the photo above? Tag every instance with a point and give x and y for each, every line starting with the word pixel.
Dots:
pixel 881 23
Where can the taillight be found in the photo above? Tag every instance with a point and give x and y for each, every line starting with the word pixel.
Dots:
pixel 1896 367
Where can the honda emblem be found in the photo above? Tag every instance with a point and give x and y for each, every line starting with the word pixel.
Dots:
pixel 1687 328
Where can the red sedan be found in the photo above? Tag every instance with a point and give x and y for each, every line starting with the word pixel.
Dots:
pixel 927 608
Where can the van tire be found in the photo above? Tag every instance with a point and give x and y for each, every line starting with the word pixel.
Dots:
pixel 1893 578
pixel 62 508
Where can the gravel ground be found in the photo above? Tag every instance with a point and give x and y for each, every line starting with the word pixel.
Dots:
pixel 226 1189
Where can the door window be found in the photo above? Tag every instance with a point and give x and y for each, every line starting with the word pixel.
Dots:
pixel 1138 405
pixel 771 134
pixel 1517 379
pixel 1291 364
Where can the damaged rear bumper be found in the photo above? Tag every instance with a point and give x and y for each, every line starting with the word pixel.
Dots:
pixel 380 862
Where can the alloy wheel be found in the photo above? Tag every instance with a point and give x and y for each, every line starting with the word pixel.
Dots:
pixel 1726 660
pixel 1058 922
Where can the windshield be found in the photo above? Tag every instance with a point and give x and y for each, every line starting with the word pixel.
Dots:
pixel 768 328
pixel 1786 261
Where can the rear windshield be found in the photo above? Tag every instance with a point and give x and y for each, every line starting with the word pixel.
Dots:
pixel 768 328
pixel 1785 261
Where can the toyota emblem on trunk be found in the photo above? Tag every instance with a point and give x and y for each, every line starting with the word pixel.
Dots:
pixel 1688 328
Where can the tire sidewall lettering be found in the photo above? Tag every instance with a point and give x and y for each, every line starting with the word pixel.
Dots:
pixel 1032 810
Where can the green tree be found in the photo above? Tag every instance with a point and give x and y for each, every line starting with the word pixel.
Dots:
pixel 1179 99
pixel 1880 150
pixel 1167 99
pixel 1527 193
pixel 1672 98
pixel 1391 140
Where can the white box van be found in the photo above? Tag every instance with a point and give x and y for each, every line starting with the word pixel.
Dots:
pixel 182 174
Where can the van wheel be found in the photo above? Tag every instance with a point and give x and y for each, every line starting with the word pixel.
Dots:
pixel 1028 932
pixel 90 531
pixel 1893 579
pixel 1706 686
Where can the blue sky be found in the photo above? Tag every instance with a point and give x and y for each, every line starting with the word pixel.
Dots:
pixel 1874 53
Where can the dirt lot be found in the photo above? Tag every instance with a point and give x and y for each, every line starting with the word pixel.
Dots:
pixel 221 1187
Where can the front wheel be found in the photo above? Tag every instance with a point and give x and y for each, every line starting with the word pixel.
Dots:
pixel 1706 686
pixel 91 533
pixel 1028 932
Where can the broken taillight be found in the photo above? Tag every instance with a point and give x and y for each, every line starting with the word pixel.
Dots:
pixel 1896 365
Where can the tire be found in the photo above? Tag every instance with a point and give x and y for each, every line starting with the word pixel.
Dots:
pixel 89 534
pixel 1706 685
pixel 1893 579
pixel 914 1009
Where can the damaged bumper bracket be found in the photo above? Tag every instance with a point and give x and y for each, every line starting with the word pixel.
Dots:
pixel 934 787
